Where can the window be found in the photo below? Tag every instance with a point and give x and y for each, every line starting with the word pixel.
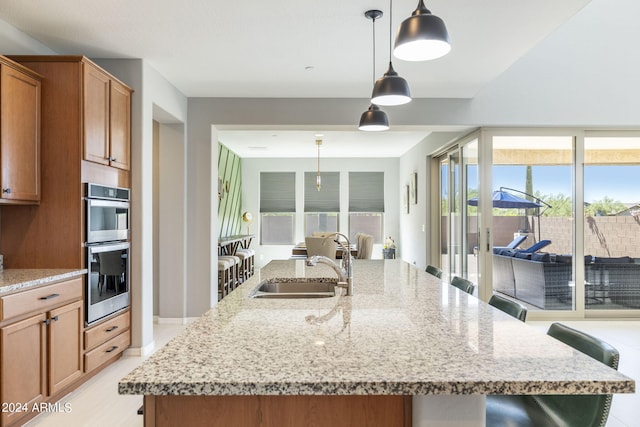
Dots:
pixel 366 204
pixel 321 207
pixel 277 207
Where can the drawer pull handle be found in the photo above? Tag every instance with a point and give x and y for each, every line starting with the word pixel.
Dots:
pixel 111 329
pixel 50 297
pixel 46 321
pixel 112 349
pixel 54 318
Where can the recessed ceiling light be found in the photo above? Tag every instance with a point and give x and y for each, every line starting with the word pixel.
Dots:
pixel 257 147
pixel 309 68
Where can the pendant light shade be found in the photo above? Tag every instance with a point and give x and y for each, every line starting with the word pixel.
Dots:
pixel 390 89
pixel 422 36
pixel 374 119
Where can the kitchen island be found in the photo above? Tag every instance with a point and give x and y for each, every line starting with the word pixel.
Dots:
pixel 404 349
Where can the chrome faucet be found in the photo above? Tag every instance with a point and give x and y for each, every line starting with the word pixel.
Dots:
pixel 344 270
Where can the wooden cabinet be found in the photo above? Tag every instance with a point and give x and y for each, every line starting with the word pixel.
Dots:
pixel 23 366
pixel 40 352
pixel 106 341
pixel 107 119
pixel 20 91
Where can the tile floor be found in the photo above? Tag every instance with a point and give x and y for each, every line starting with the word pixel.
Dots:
pixel 98 404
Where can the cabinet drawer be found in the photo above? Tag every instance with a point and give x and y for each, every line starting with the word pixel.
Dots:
pixel 40 299
pixel 99 355
pixel 107 330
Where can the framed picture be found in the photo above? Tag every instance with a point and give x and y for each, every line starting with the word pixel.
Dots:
pixel 406 199
pixel 413 182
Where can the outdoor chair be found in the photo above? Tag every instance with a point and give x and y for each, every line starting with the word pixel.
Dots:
pixel 536 247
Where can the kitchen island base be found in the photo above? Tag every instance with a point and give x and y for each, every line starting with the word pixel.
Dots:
pixel 277 411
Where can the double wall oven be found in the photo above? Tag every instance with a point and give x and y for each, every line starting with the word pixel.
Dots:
pixel 107 220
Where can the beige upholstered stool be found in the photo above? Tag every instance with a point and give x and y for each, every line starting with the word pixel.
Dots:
pixel 246 263
pixel 225 277
pixel 235 270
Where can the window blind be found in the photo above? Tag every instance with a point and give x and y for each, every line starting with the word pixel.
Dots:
pixel 277 192
pixel 366 191
pixel 325 200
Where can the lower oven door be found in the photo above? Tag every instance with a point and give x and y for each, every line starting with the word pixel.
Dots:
pixel 108 279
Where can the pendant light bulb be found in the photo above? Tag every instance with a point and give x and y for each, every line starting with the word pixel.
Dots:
pixel 318 178
pixel 422 36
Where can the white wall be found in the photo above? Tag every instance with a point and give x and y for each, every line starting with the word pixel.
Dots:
pixel 152 94
pixel 251 169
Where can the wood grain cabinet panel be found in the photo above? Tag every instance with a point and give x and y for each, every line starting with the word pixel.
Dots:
pixel 23 366
pixel 107 119
pixel 65 346
pixel 19 134
pixel 96 115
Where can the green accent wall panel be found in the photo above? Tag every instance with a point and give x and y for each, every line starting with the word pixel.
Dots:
pixel 229 206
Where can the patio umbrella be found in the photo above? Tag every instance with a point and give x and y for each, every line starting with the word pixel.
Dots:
pixel 505 200
pixel 502 199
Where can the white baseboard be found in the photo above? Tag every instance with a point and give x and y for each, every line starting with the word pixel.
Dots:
pixel 173 320
pixel 141 351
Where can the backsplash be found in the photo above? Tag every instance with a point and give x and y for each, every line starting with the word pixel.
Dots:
pixel 229 206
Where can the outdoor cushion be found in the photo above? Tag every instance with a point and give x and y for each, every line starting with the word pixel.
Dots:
pixel 535 248
pixel 541 257
pixel 620 260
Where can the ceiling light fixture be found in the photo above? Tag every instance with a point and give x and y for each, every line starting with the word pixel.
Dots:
pixel 422 36
pixel 374 119
pixel 390 89
pixel 318 178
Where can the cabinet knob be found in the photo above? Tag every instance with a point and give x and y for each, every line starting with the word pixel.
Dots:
pixel 113 159
pixel 6 190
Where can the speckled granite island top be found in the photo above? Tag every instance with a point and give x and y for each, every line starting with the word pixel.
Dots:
pixel 22 278
pixel 401 333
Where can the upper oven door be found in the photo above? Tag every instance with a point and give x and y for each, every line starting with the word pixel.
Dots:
pixel 107 220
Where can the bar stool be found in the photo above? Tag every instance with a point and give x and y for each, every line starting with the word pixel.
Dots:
pixel 248 257
pixel 225 277
pixel 235 270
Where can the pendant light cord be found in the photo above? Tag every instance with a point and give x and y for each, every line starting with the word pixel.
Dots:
pixel 374 51
pixel 390 24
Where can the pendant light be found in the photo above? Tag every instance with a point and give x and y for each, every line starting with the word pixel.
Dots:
pixel 374 119
pixel 422 36
pixel 390 89
pixel 318 178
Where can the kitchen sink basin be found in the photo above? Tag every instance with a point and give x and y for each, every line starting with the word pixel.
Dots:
pixel 280 288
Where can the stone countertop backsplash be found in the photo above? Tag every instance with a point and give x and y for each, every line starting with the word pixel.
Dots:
pixel 17 279
pixel 403 332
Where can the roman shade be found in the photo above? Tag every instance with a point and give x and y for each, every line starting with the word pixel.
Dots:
pixel 277 192
pixel 325 200
pixel 366 191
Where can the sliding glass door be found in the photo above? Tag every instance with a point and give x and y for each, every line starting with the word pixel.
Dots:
pixel 458 220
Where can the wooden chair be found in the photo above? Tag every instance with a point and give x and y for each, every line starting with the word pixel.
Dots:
pixel 435 271
pixel 557 410
pixel 463 284
pixel 510 307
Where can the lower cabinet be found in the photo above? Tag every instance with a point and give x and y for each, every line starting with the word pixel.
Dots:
pixel 39 356
pixel 106 341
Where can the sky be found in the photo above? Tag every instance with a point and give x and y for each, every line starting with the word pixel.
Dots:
pixel 619 183
pixel 616 182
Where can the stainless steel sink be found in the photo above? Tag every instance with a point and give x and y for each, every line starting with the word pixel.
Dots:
pixel 286 288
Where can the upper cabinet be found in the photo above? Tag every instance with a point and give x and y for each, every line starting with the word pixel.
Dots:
pixel 19 133
pixel 107 119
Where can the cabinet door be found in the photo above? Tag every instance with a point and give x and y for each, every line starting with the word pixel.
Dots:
pixel 23 365
pixel 65 346
pixel 96 115
pixel 120 126
pixel 19 135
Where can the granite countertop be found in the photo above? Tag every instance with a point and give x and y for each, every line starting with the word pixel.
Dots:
pixel 403 332
pixel 17 279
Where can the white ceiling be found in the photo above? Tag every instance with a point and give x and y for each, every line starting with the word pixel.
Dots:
pixel 214 48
